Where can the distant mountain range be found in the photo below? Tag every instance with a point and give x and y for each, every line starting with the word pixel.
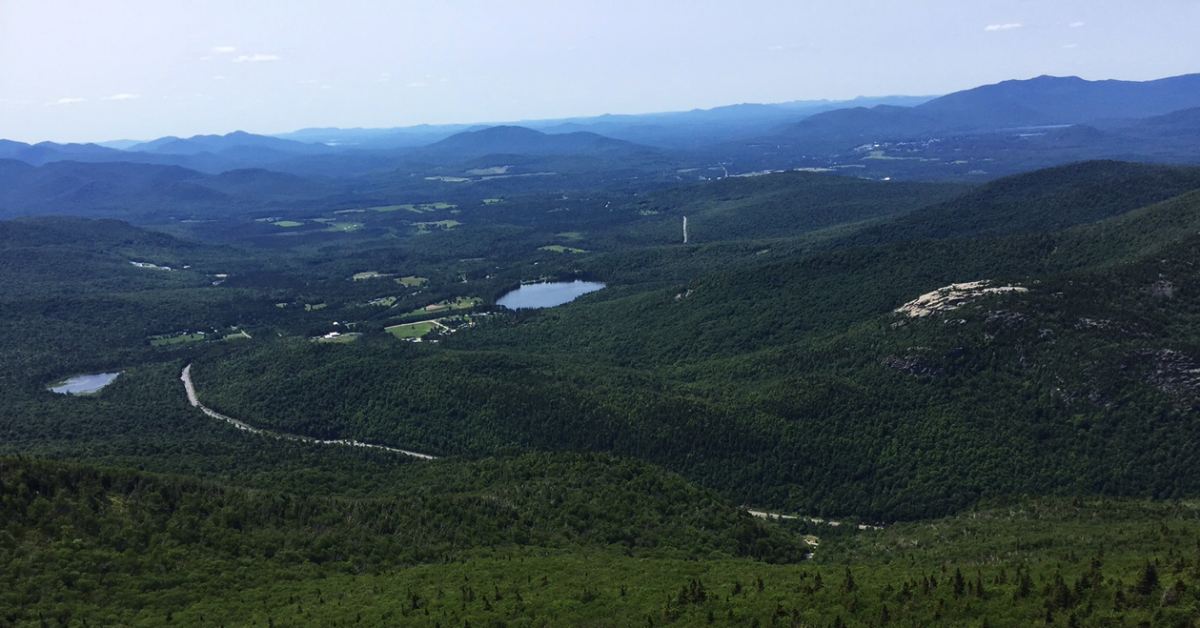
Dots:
pixel 122 189
pixel 675 129
pixel 974 134
pixel 238 140
pixel 516 140
pixel 1041 101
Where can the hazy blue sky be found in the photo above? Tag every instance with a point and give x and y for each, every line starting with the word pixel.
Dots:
pixel 107 69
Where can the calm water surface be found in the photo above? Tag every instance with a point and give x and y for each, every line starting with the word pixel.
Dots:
pixel 550 294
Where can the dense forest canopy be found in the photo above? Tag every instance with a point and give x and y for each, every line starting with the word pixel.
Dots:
pixel 991 389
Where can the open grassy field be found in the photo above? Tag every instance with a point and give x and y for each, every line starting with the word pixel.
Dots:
pixel 288 224
pixel 344 226
pixel 412 281
pixel 418 208
pixel 460 303
pixel 368 274
pixel 407 331
pixel 558 248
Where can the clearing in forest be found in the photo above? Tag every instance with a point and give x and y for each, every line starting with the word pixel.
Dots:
pixel 408 331
pixel 426 227
pixel 558 248
pixel 459 303
pixel 412 281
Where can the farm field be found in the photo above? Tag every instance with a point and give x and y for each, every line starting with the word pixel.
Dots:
pixel 407 331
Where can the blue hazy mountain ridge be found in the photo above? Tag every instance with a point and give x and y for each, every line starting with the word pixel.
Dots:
pixel 44 152
pixel 237 140
pixel 245 151
pixel 1040 101
pixel 126 189
pixel 524 141
pixel 1011 126
pixel 220 153
pixel 378 138
pixel 1173 124
pixel 671 129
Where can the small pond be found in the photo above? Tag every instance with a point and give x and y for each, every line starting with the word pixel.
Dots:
pixel 83 384
pixel 549 294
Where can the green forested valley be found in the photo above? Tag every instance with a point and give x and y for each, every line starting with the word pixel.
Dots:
pixel 842 402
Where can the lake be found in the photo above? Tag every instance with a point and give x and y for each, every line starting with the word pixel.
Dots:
pixel 549 294
pixel 83 384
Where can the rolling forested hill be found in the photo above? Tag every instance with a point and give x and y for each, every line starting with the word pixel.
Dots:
pixel 749 379
pixel 1002 377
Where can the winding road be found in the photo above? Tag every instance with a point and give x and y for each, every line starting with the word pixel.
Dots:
pixel 194 399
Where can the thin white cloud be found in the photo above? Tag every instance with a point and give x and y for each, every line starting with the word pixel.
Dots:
pixel 1075 25
pixel 69 100
pixel 384 77
pixel 1070 46
pixel 257 57
pixel 218 77
pixel 122 96
pixel 992 28
pixel 418 84
pixel 224 50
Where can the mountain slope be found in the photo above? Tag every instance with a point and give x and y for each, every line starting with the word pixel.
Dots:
pixel 105 547
pixel 147 192
pixel 45 152
pixel 1040 201
pixel 1036 102
pixel 513 140
pixel 1048 100
pixel 792 381
pixel 235 142
pixel 1021 108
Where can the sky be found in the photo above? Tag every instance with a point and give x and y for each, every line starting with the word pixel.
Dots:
pixel 93 70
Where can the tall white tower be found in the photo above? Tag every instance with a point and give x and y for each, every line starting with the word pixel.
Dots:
pixel 685 229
